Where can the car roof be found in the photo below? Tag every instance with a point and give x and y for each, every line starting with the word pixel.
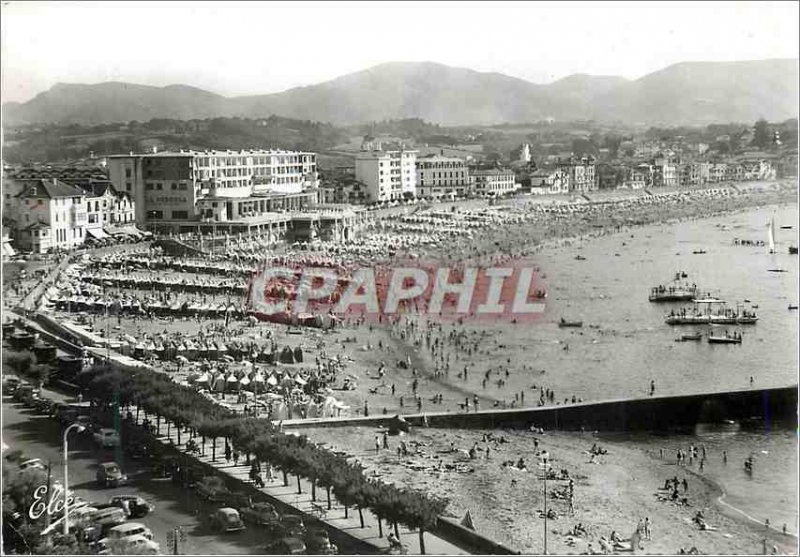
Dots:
pixel 107 430
pixel 227 510
pixel 109 464
pixel 128 526
pixel 293 541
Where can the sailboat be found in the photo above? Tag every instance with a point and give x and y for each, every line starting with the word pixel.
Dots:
pixel 772 235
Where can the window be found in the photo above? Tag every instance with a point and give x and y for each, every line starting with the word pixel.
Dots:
pixel 127 172
pixel 159 186
pixel 148 187
pixel 180 214
pixel 174 186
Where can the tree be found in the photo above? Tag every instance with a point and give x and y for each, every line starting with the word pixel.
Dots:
pixel 762 138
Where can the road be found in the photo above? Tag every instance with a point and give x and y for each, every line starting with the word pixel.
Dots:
pixel 41 437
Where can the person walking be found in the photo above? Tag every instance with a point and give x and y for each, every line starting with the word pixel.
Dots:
pixel 647 525
pixel 377 444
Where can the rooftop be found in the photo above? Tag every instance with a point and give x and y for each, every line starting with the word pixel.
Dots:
pixel 214 153
pixel 52 189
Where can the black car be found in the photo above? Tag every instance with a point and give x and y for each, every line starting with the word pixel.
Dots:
pixel 136 506
pixel 319 543
pixel 286 546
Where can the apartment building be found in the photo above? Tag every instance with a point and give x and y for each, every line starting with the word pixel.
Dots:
pixel 173 190
pixel 50 215
pixel 438 176
pixel 493 181
pixel 549 180
pixel 580 173
pixel 633 179
pixel 387 175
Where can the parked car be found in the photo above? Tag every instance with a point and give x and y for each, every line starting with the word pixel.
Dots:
pixel 129 529
pixel 11 384
pixel 109 474
pixel 106 437
pixel 213 489
pixel 43 405
pixel 131 545
pixel 286 546
pixel 292 526
pixel 319 543
pixel 262 514
pixel 86 422
pixel 226 519
pixel 32 464
pixel 137 506
pixel 26 393
pixel 108 518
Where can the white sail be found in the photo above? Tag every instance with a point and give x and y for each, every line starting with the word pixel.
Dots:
pixel 772 235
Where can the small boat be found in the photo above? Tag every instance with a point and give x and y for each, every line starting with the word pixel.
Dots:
pixel 580 258
pixel 792 250
pixel 777 270
pixel 725 339
pixel 689 337
pixel 565 323
pixel 699 252
pixel 792 306
pixel 786 227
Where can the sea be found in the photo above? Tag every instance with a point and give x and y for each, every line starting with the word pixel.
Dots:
pixel 625 343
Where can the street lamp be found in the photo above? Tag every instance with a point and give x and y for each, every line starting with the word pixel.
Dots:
pixel 544 460
pixel 80 428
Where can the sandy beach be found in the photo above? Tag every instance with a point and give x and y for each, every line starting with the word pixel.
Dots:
pixel 612 493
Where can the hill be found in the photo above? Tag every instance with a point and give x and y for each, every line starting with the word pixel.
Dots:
pixel 700 93
pixel 691 93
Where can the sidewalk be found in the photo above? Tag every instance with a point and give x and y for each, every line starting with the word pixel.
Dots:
pixel 334 517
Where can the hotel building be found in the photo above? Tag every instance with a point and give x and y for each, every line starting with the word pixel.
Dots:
pixel 387 175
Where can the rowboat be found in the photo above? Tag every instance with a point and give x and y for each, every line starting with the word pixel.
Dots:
pixel 565 323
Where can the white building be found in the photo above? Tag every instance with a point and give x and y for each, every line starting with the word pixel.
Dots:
pixel 439 176
pixel 168 187
pixel 50 214
pixel 387 175
pixel 552 181
pixel 494 181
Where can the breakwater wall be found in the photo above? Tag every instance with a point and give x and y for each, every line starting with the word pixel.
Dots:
pixel 661 413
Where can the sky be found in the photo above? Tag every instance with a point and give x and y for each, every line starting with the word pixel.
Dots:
pixel 244 48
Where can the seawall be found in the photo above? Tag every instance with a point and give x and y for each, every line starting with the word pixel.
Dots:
pixel 660 413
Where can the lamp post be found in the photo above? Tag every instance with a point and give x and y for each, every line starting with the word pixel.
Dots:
pixel 544 460
pixel 80 428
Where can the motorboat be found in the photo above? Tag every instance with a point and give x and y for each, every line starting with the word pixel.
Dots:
pixel 725 339
pixel 689 337
pixel 565 323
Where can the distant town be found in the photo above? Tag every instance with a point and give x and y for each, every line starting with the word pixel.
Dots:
pixel 164 184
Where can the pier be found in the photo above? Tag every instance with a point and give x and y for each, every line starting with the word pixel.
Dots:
pixel 655 413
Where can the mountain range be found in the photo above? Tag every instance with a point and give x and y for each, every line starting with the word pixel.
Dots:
pixel 687 93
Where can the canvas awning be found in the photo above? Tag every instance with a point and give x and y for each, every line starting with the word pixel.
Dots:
pixel 96 233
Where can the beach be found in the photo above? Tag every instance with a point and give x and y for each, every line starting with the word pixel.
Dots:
pixel 611 494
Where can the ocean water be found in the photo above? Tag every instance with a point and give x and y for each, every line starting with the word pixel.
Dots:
pixel 624 343
pixel 770 492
